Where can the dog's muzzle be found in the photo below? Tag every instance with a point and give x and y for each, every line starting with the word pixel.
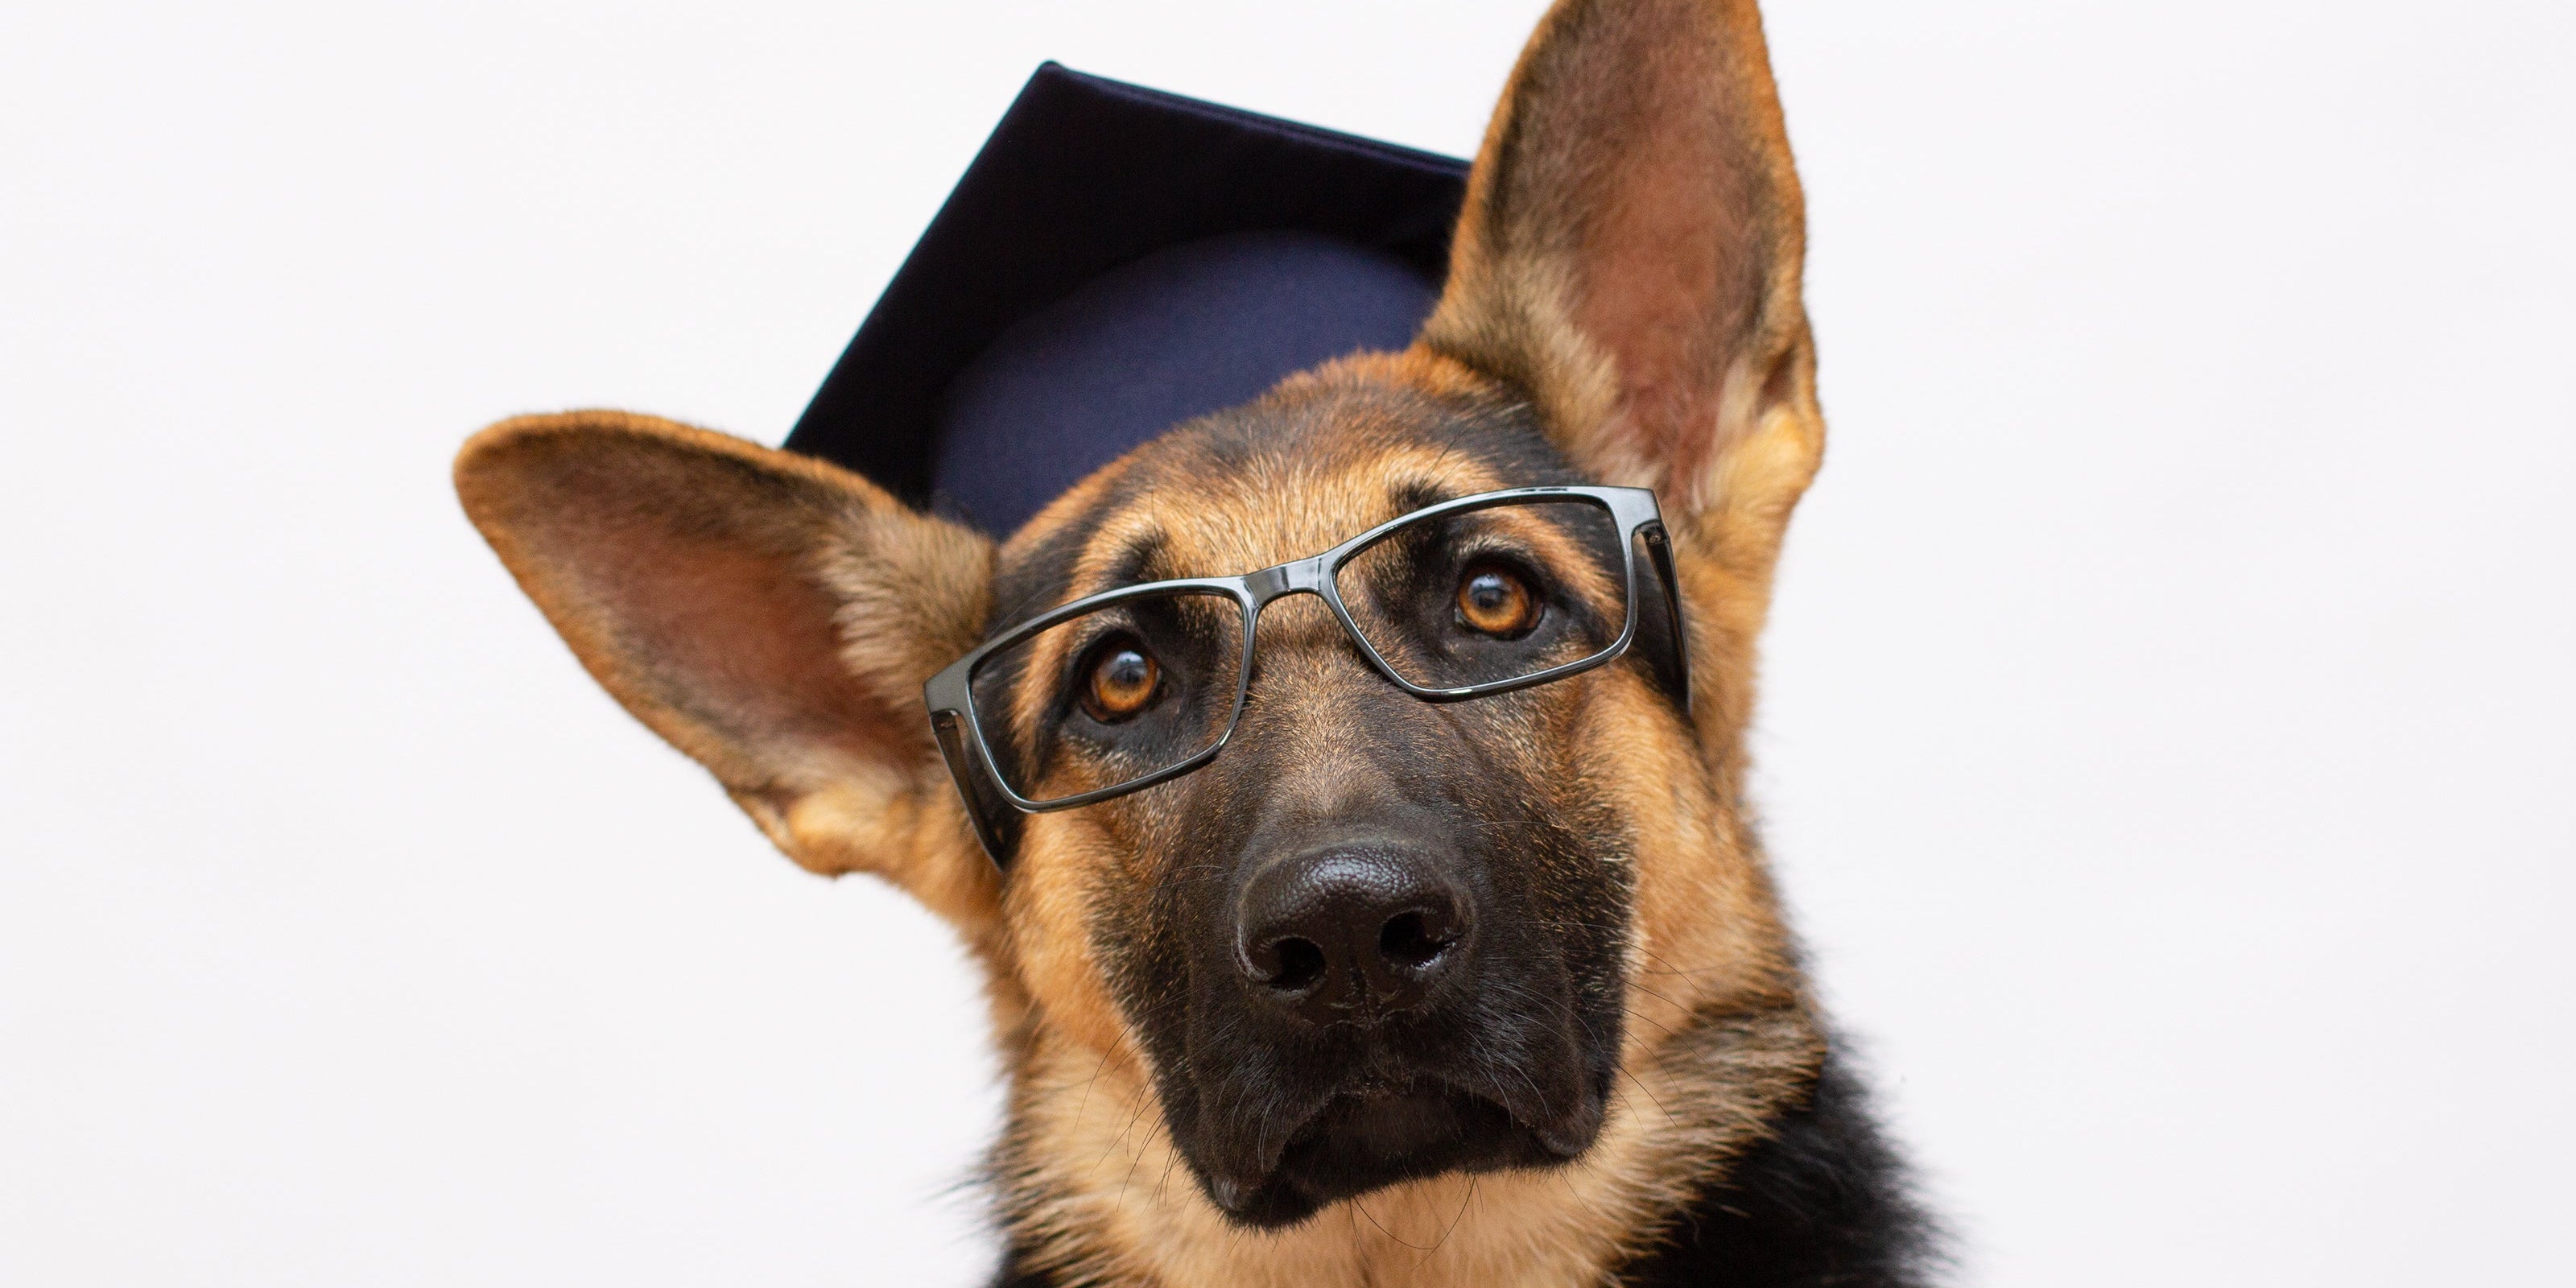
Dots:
pixel 1379 1018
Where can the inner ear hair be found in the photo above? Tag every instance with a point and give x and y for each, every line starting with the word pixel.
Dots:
pixel 1630 251
pixel 771 615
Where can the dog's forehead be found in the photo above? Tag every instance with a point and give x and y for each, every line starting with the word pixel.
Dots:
pixel 1319 460
pixel 1271 506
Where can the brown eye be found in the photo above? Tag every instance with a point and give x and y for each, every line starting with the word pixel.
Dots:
pixel 1496 602
pixel 1122 680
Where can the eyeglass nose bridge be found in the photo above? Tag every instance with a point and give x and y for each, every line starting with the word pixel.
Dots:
pixel 1308 576
pixel 1303 576
pixel 1314 576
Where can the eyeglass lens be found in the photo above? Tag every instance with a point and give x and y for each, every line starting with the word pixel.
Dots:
pixel 1449 601
pixel 1113 695
pixel 1486 596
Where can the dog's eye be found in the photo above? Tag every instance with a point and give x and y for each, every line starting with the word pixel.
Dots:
pixel 1120 678
pixel 1495 601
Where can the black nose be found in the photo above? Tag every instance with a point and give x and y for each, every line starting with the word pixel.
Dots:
pixel 1355 933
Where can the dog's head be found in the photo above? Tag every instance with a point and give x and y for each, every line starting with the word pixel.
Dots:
pixel 1377 938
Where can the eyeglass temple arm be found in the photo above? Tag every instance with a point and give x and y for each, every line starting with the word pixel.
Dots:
pixel 1659 548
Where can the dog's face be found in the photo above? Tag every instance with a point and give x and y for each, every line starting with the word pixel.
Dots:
pixel 1377 942
pixel 1377 937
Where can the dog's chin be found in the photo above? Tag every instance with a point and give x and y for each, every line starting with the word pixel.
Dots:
pixel 1362 1141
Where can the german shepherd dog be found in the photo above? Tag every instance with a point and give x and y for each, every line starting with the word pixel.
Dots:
pixel 1396 989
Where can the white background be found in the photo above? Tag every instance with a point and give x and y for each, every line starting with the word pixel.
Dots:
pixel 2170 740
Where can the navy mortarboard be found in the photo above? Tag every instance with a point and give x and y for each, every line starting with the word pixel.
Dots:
pixel 1117 260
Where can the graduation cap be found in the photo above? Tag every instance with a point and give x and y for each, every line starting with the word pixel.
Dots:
pixel 1117 260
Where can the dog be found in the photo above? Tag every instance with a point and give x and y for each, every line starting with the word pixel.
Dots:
pixel 1390 917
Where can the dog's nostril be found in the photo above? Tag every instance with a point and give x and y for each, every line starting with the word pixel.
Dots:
pixel 1415 939
pixel 1292 965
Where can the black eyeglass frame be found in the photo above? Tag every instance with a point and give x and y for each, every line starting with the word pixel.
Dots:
pixel 951 699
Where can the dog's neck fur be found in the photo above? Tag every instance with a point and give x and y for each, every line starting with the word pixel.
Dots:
pixel 1092 1188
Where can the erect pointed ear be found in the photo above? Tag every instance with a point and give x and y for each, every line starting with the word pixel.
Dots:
pixel 1629 257
pixel 772 616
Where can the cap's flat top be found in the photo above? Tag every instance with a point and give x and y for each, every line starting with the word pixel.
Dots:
pixel 1182 332
pixel 1084 176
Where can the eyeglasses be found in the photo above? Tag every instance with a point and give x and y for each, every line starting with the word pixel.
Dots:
pixel 1118 691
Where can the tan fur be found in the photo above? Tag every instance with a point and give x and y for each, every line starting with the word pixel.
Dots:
pixel 1627 265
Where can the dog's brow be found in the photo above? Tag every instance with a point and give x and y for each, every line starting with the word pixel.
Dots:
pixel 1145 557
pixel 1123 553
pixel 1419 494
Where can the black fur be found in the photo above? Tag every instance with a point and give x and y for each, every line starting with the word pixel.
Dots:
pixel 1015 1273
pixel 1823 1203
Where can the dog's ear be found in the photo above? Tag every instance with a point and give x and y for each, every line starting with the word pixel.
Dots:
pixel 1629 257
pixel 772 616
